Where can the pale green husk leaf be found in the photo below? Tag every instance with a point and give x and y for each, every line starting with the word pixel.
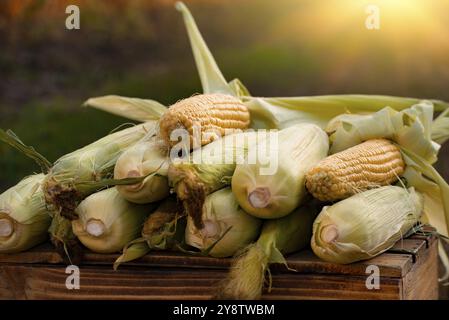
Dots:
pixel 131 108
pixel 122 221
pixel 366 224
pixel 24 206
pixel 221 212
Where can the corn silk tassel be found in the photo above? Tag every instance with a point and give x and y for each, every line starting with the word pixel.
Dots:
pixel 162 230
pixel 412 130
pixel 64 239
pixel 278 237
pixel 366 224
pixel 24 218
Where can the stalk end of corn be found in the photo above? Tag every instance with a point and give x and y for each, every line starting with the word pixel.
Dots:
pixel 95 227
pixel 6 228
pixel 259 197
pixel 329 233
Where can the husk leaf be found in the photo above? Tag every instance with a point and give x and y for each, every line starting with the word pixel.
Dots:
pixel 272 188
pixel 131 108
pixel 221 212
pixel 116 220
pixel 366 224
pixel 23 209
pixel 147 157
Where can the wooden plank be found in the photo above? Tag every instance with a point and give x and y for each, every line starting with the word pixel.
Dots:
pixel 313 286
pixel 391 265
pixel 422 281
pixel 100 283
pixel 40 274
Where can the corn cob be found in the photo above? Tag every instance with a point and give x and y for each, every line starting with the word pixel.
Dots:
pixel 373 163
pixel 366 224
pixel 221 214
pixel 147 157
pixel 215 115
pixel 107 222
pixel 24 218
pixel 274 193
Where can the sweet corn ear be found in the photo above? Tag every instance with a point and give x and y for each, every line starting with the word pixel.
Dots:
pixel 215 114
pixel 373 163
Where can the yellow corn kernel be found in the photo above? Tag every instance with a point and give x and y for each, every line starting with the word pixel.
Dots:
pixel 373 163
pixel 215 114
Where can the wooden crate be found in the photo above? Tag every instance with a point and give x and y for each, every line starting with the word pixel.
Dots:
pixel 40 274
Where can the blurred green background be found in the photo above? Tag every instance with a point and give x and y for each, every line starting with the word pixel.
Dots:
pixel 140 48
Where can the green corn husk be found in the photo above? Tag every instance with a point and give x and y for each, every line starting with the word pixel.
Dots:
pixel 163 230
pixel 282 112
pixel 278 237
pixel 107 222
pixel 209 169
pixel 24 218
pixel 82 172
pixel 225 224
pixel 131 108
pixel 440 128
pixel 366 224
pixel 278 191
pixel 148 156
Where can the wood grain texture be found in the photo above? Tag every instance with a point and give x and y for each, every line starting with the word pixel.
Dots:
pixel 408 271
pixel 28 282
pixel 425 268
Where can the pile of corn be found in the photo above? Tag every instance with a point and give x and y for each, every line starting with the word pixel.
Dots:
pixel 348 175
